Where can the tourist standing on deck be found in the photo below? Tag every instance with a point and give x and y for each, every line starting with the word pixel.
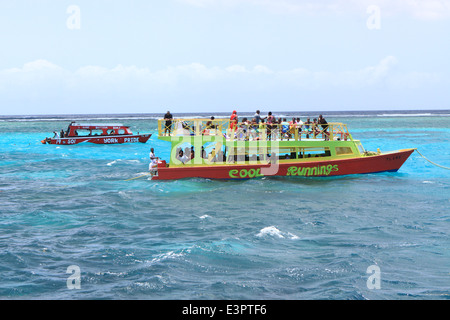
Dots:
pixel 324 125
pixel 168 125
pixel 270 125
pixel 323 122
pixel 233 120
pixel 307 127
pixel 258 117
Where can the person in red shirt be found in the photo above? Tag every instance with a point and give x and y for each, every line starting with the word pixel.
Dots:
pixel 233 120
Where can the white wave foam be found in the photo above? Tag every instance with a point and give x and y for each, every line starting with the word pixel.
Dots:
pixel 124 195
pixel 66 118
pixel 109 164
pixel 113 162
pixel 167 255
pixel 406 115
pixel 272 231
pixel 292 236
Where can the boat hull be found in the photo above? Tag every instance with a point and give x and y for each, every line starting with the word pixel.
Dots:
pixel 116 139
pixel 387 162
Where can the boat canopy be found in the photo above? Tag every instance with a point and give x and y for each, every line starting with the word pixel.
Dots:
pixel 97 125
pixel 101 129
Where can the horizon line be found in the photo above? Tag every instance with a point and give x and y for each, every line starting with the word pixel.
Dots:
pixel 224 112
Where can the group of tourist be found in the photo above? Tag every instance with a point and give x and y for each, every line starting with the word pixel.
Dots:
pixel 279 127
pixel 274 127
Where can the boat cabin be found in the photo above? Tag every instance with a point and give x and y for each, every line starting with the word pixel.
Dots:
pixel 81 130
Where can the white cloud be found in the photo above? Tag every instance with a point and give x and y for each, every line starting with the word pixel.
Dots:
pixel 35 66
pixel 420 9
pixel 377 74
pixel 40 71
pixel 94 87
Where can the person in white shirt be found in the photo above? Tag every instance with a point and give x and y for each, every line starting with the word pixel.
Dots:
pixel 182 157
pixel 153 160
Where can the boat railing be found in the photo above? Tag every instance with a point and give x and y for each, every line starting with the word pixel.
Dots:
pixel 245 131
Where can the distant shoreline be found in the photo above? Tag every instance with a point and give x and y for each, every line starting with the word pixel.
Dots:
pixel 154 116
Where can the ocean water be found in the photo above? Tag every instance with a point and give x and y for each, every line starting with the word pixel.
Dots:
pixel 269 238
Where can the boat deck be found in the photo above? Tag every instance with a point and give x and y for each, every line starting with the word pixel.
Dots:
pixel 247 131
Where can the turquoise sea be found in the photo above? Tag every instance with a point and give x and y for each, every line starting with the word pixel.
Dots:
pixel 71 227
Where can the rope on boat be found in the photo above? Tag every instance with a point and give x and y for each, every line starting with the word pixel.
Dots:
pixel 138 177
pixel 432 161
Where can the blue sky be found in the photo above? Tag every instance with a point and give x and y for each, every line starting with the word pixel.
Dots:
pixel 218 55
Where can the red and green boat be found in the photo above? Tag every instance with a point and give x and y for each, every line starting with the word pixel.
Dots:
pixel 211 150
pixel 102 133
